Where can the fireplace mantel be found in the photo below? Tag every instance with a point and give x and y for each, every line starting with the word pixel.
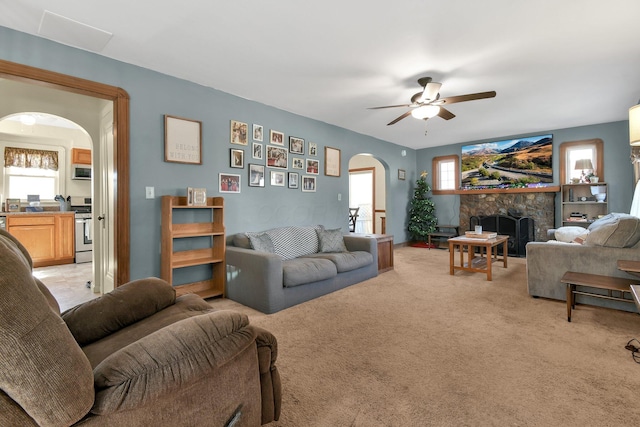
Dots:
pixel 550 189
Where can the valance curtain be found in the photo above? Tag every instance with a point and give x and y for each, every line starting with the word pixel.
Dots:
pixel 29 158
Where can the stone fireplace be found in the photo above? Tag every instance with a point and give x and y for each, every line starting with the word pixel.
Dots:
pixel 539 206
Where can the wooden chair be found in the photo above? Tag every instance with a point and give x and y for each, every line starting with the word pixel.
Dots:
pixel 353 215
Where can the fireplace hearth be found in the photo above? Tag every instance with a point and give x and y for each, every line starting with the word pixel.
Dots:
pixel 520 230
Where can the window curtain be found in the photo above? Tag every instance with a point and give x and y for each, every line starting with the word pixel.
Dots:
pixel 29 158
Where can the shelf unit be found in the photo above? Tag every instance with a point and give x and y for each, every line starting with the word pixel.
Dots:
pixel 182 225
pixel 578 198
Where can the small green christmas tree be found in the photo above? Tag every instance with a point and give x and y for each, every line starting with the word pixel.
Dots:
pixel 422 219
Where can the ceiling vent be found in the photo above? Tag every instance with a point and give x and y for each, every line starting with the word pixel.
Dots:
pixel 73 33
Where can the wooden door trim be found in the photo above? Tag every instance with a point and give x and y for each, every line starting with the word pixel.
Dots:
pixel 120 99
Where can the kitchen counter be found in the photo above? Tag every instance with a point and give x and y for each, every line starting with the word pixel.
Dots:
pixel 37 213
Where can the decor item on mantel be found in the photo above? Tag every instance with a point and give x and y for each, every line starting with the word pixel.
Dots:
pixel 422 219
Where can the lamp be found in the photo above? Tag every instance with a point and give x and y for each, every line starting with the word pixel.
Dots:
pixel 634 125
pixel 583 164
pixel 425 112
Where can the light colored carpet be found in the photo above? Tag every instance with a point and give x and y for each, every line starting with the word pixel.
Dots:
pixel 418 347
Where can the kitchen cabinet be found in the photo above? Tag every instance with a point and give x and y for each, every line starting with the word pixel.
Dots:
pixel 80 156
pixel 580 206
pixel 193 237
pixel 47 236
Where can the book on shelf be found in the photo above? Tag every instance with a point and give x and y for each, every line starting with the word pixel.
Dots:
pixel 485 235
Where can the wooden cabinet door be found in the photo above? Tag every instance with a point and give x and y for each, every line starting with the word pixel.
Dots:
pixel 65 227
pixel 39 240
pixel 80 156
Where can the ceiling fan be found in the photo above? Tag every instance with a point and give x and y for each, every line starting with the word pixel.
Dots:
pixel 427 103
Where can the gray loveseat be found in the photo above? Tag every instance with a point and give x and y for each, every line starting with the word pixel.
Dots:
pixel 596 251
pixel 278 268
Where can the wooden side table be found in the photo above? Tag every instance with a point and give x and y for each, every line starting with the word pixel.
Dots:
pixel 443 232
pixel 385 250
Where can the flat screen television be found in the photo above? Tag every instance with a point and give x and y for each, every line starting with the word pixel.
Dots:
pixel 519 162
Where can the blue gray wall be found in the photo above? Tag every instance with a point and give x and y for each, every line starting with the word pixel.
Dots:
pixel 618 169
pixel 153 95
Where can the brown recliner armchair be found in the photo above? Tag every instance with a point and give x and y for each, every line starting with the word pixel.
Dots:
pixel 136 356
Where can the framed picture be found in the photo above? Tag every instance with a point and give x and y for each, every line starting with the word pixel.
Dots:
pixel 296 145
pixel 229 183
pixel 196 196
pixel 276 137
pixel 277 178
pixel 257 132
pixel 239 133
pixel 256 151
pixel 308 183
pixel 277 157
pixel 293 179
pixel 331 161
pixel 313 166
pixel 402 174
pixel 297 163
pixel 12 205
pixel 237 158
pixel 182 140
pixel 256 175
pixel 313 149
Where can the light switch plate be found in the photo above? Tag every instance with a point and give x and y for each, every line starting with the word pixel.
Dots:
pixel 149 191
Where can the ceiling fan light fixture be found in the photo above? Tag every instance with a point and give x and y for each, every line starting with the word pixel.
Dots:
pixel 425 112
pixel 430 92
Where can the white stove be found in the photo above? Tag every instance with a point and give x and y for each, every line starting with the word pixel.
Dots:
pixel 83 229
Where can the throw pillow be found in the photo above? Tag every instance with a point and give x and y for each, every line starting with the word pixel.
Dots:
pixel 261 242
pixel 331 241
pixel 568 234
pixel 616 230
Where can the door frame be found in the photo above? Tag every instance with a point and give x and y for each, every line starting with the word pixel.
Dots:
pixel 120 99
pixel 373 192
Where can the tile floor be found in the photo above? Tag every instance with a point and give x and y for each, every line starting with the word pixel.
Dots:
pixel 68 283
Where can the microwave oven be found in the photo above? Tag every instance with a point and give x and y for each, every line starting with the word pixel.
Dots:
pixel 81 172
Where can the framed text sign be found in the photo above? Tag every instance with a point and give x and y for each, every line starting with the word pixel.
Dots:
pixel 331 161
pixel 182 140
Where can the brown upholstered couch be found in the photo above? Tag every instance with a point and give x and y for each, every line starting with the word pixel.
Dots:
pixel 136 356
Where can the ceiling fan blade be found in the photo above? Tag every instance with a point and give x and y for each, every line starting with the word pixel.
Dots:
pixel 469 97
pixel 408 113
pixel 446 114
pixel 391 106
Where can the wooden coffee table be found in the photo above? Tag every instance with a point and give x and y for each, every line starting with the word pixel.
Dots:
pixel 477 264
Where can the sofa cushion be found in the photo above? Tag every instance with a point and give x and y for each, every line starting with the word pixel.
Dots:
pixel 346 261
pixel 616 230
pixel 293 242
pixel 570 233
pixel 331 241
pixel 261 242
pixel 301 271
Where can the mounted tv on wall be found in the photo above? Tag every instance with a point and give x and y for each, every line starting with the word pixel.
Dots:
pixel 512 163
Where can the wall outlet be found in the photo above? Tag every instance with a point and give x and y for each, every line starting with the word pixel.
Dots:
pixel 149 191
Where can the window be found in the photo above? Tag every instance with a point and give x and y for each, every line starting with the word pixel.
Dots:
pixel 31 171
pixel 571 152
pixel 446 174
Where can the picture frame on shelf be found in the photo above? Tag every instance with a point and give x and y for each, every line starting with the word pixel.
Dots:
pixel 313 166
pixel 277 178
pixel 199 197
pixel 239 133
pixel 331 161
pixel 237 158
pixel 182 140
pixel 12 205
pixel 256 175
pixel 189 196
pixel 308 184
pixel 229 182
pixel 258 132
pixel 276 137
pixel 402 175
pixel 296 145
pixel 313 149
pixel 297 163
pixel 277 157
pixel 293 180
pixel 256 151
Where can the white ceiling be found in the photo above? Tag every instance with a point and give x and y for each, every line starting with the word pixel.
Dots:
pixel 554 64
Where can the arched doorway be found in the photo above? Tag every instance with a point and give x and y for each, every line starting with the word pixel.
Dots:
pixel 367 191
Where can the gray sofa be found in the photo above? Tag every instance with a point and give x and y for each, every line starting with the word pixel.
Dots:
pixel 596 251
pixel 278 268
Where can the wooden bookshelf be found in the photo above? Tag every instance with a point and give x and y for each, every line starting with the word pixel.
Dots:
pixel 177 225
